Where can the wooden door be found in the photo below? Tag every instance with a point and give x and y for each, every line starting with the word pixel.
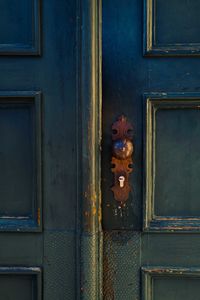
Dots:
pixel 151 74
pixel 46 88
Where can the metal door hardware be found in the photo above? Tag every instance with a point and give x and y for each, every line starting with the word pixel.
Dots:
pixel 121 181
pixel 122 150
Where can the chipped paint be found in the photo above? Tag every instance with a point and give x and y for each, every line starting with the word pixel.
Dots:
pixel 90 131
pixel 20 270
pixel 108 269
pixel 38 217
pixel 15 218
pixel 94 210
pixel 100 216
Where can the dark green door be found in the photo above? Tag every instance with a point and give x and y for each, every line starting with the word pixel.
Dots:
pixel 151 74
pixel 39 191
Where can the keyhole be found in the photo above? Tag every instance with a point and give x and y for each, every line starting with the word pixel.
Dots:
pixel 121 181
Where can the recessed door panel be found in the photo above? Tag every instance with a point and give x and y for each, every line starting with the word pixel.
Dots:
pixel 20 159
pixel 169 283
pixel 20 29
pixel 172 162
pixel 171 28
pixel 20 283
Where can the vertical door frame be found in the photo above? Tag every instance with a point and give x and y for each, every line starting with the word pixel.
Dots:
pixel 89 135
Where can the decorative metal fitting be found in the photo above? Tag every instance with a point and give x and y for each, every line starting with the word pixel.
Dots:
pixel 122 163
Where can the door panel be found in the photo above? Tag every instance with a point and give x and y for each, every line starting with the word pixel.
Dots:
pixel 20 283
pixel 20 32
pixel 151 75
pixel 38 149
pixel 170 283
pixel 171 28
pixel 172 162
pixel 20 129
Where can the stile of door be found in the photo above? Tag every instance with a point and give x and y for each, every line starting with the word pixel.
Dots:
pixel 151 74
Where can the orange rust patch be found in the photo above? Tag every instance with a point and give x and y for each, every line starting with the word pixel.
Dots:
pixel 86 213
pixel 99 216
pixel 108 271
pixel 94 210
pixel 38 216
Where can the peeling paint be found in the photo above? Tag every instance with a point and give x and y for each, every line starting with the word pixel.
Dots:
pixel 38 217
pixel 94 210
pixel 99 216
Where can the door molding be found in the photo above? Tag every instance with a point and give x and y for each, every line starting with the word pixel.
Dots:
pixel 89 136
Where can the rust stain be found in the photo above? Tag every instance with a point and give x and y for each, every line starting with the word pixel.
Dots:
pixel 122 161
pixel 93 199
pixel 108 292
pixel 38 216
pixel 94 210
pixel 99 216
pixel 91 207
pixel 90 193
pixel 108 269
pixel 86 213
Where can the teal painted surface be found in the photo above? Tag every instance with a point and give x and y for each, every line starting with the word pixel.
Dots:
pixel 182 289
pixel 20 283
pixel 20 27
pixel 169 14
pixel 171 154
pixel 170 249
pixel 170 283
pixel 161 18
pixel 57 57
pixel 160 97
pixel 177 130
pixel 20 129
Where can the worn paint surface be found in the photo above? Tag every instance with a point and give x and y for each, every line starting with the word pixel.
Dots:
pixel 50 136
pixel 90 140
pixel 120 274
pixel 151 71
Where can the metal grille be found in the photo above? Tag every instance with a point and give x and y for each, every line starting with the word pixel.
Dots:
pixel 59 266
pixel 121 265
